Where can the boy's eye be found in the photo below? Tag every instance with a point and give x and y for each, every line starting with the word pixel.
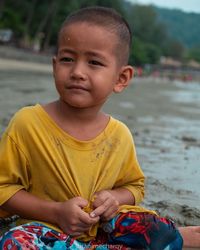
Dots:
pixel 66 59
pixel 94 62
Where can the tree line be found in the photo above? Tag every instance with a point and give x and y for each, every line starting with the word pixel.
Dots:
pixel 35 24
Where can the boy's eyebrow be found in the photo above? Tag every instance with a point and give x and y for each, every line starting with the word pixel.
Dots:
pixel 96 54
pixel 88 53
pixel 65 50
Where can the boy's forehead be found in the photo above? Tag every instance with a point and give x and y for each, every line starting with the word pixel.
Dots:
pixel 80 31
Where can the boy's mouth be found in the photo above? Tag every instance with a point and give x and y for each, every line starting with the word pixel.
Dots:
pixel 77 86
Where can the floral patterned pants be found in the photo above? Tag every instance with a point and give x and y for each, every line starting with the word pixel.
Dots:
pixel 125 231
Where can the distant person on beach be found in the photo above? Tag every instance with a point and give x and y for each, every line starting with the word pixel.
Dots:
pixel 69 170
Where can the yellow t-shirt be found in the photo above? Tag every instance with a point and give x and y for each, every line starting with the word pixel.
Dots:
pixel 38 156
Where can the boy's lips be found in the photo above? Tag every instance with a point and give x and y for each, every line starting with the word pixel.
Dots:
pixel 77 86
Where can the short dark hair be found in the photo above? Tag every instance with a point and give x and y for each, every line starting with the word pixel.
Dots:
pixel 107 18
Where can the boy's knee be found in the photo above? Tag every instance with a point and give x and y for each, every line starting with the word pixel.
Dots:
pixel 167 238
pixel 17 238
pixel 7 241
pixel 147 230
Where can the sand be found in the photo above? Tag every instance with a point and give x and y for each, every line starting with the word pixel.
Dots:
pixel 164 117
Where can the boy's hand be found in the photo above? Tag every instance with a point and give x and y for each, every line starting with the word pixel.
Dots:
pixel 72 219
pixel 105 205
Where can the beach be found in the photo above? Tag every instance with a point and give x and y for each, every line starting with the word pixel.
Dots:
pixel 163 116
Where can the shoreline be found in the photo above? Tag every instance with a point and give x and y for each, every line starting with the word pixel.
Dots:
pixel 14 64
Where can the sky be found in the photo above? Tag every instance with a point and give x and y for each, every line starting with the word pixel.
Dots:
pixel 185 5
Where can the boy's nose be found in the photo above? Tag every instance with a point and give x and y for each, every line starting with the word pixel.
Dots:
pixel 78 71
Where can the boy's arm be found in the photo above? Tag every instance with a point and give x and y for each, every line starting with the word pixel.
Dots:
pixel 123 196
pixel 68 215
pixel 29 206
pixel 131 178
pixel 107 202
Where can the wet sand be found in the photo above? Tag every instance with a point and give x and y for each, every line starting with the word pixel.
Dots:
pixel 163 116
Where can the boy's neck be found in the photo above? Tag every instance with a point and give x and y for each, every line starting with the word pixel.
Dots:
pixel 83 124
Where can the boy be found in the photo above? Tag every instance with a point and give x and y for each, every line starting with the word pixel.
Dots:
pixel 70 170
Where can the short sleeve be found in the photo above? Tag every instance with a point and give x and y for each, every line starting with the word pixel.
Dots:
pixel 14 174
pixel 131 175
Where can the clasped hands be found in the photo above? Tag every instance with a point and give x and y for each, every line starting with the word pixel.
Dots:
pixel 73 220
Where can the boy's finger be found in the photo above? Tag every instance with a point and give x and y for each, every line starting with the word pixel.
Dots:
pixel 100 210
pixel 81 202
pixel 87 219
pixel 109 213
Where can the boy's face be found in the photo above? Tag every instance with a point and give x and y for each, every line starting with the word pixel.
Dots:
pixel 86 70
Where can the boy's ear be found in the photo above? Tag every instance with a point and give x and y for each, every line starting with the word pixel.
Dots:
pixel 125 75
